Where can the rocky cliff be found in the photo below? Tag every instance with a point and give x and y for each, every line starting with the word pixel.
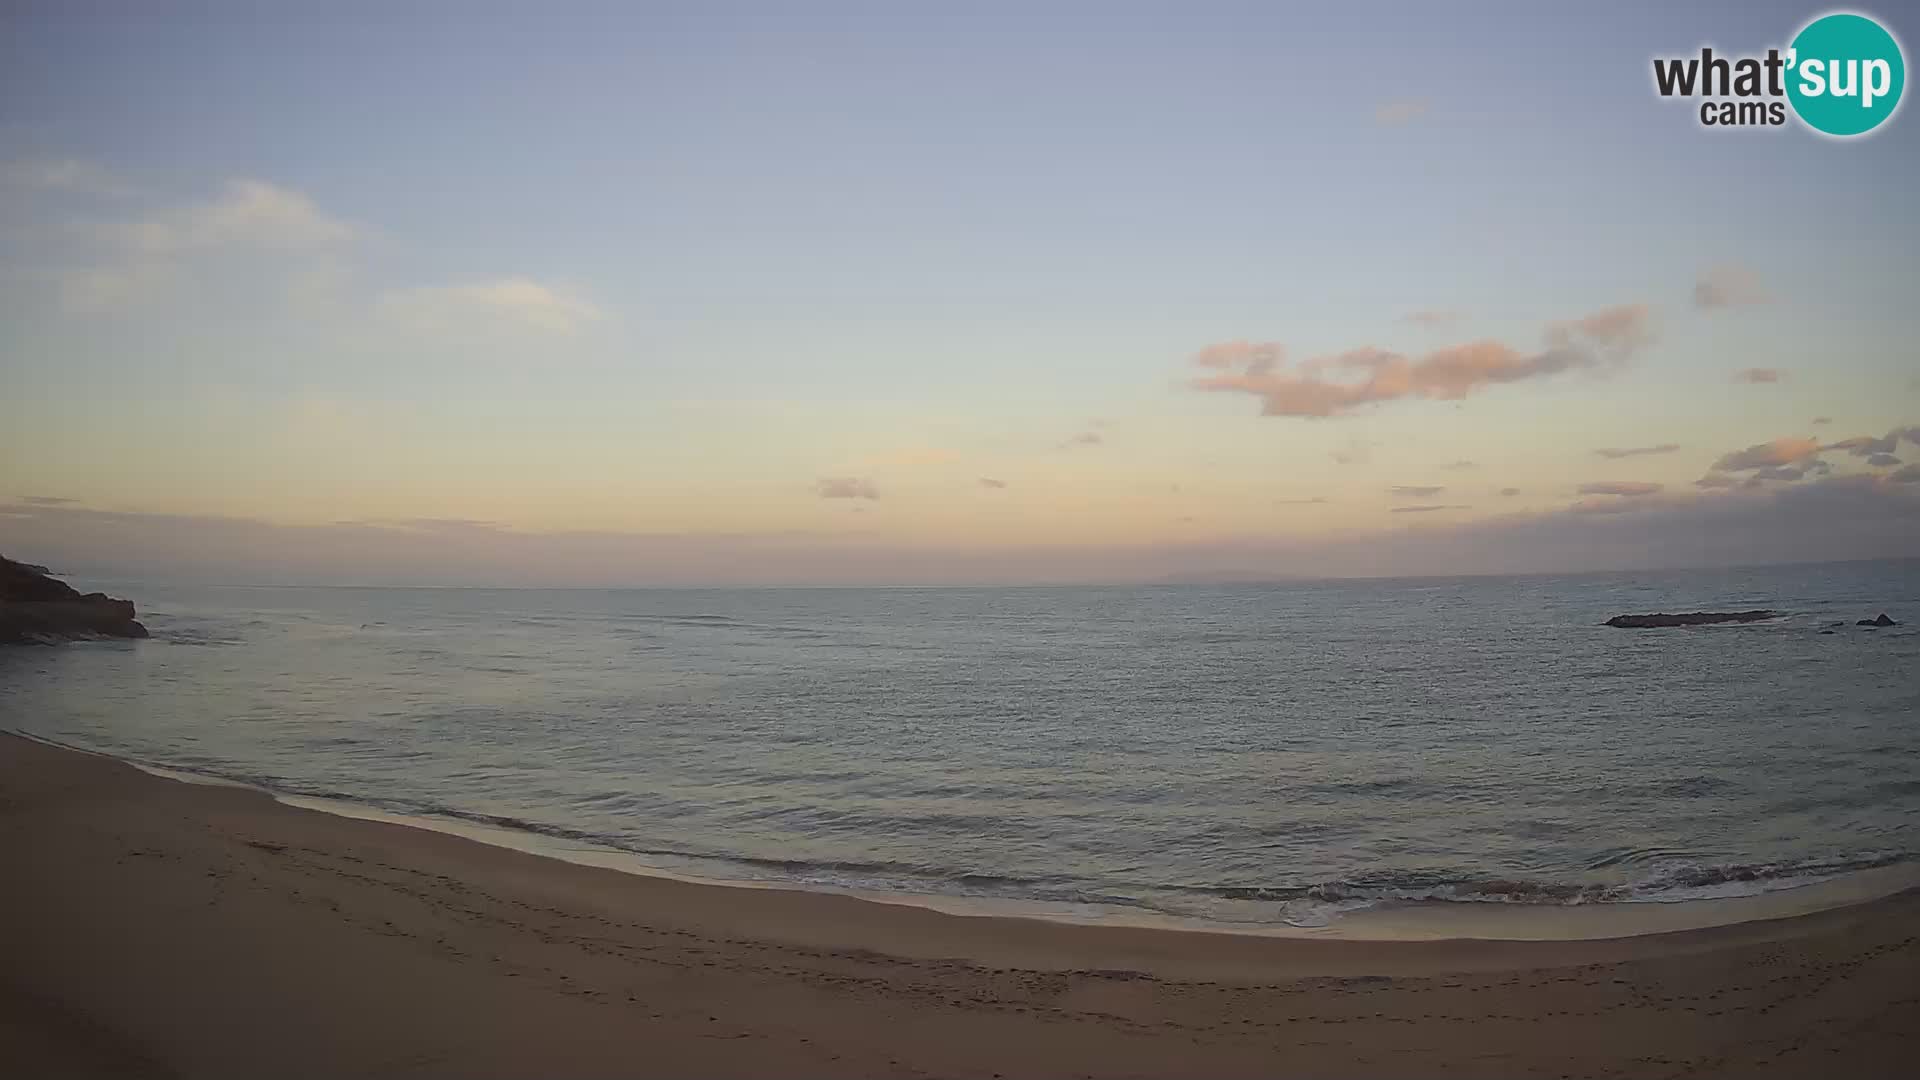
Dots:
pixel 37 608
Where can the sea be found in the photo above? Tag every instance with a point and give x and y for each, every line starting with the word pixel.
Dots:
pixel 1253 755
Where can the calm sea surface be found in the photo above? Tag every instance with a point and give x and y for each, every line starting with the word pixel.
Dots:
pixel 1260 753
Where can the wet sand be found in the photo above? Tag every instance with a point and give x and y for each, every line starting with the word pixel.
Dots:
pixel 154 928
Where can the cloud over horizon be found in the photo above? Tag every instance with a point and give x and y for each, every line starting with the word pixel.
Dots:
pixel 1626 488
pixel 1838 517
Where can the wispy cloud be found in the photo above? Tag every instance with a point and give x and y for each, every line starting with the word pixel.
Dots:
pixel 1823 420
pixel 1317 500
pixel 247 213
pixel 518 301
pixel 1427 508
pixel 845 487
pixel 1432 319
pixel 138 259
pixel 1510 491
pixel 1463 465
pixel 1636 451
pixel 1866 445
pixel 1414 491
pixel 1404 111
pixel 444 525
pixel 990 482
pixel 64 174
pixel 1627 488
pixel 1370 375
pixel 1728 286
pixel 1084 438
pixel 1759 375
pixel 47 500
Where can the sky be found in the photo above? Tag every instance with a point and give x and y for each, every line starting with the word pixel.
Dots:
pixel 638 294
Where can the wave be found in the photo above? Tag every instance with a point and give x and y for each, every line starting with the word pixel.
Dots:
pixel 1666 875
pixel 1673 879
pixel 1670 883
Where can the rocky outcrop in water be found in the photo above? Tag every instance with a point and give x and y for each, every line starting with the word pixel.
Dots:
pixel 1881 621
pixel 38 609
pixel 1691 618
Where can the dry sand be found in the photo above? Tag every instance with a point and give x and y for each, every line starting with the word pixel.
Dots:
pixel 154 928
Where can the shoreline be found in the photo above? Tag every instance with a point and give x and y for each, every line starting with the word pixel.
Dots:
pixel 1392 920
pixel 157 928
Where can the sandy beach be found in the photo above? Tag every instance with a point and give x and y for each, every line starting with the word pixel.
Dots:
pixel 157 928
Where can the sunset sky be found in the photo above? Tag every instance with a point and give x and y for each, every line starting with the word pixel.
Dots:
pixel 629 295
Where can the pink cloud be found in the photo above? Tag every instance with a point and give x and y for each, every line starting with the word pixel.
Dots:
pixel 1757 375
pixel 1258 356
pixel 1338 384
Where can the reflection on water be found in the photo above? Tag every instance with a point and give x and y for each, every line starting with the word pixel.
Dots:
pixel 1262 753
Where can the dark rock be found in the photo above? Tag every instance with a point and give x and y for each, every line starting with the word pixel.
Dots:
pixel 1881 621
pixel 38 609
pixel 1826 631
pixel 1691 618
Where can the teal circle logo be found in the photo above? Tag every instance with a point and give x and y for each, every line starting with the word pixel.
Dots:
pixel 1845 74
